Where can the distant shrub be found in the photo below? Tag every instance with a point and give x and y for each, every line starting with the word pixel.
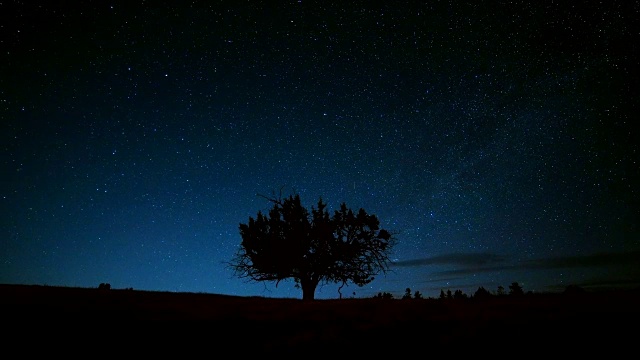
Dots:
pixel 385 295
pixel 407 294
pixel 481 293
pixel 459 295
pixel 515 289
pixel 104 286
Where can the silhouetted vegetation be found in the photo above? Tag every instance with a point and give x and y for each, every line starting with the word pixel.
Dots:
pixel 384 295
pixel 104 286
pixel 481 293
pixel 515 289
pixel 312 247
pixel 271 326
pixel 407 294
pixel 459 295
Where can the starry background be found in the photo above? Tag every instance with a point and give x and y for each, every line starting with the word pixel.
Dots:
pixel 495 138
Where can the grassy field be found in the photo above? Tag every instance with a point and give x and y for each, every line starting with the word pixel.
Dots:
pixel 163 322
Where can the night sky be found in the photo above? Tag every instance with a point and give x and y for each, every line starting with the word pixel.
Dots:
pixel 496 139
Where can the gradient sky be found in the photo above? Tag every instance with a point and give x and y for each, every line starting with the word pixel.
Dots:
pixel 495 138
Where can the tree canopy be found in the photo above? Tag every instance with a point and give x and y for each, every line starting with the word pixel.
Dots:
pixel 312 247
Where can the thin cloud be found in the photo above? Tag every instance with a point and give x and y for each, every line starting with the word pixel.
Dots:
pixel 487 262
pixel 599 259
pixel 468 259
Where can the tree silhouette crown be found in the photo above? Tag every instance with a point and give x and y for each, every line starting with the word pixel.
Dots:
pixel 312 247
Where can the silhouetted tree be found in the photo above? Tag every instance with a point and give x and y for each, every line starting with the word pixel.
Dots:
pixel 385 295
pixel 481 293
pixel 104 286
pixel 500 290
pixel 459 295
pixel 407 294
pixel 515 289
pixel 312 247
pixel 417 295
pixel 442 295
pixel 449 294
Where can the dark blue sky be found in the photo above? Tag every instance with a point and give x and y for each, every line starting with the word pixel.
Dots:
pixel 496 139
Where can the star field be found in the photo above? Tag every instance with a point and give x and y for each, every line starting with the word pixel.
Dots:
pixel 497 139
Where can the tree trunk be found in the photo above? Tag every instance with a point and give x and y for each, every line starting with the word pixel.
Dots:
pixel 308 288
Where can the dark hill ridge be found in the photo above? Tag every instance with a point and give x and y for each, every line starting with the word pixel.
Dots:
pixel 604 320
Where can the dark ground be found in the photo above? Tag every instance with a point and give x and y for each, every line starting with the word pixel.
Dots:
pixel 79 320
